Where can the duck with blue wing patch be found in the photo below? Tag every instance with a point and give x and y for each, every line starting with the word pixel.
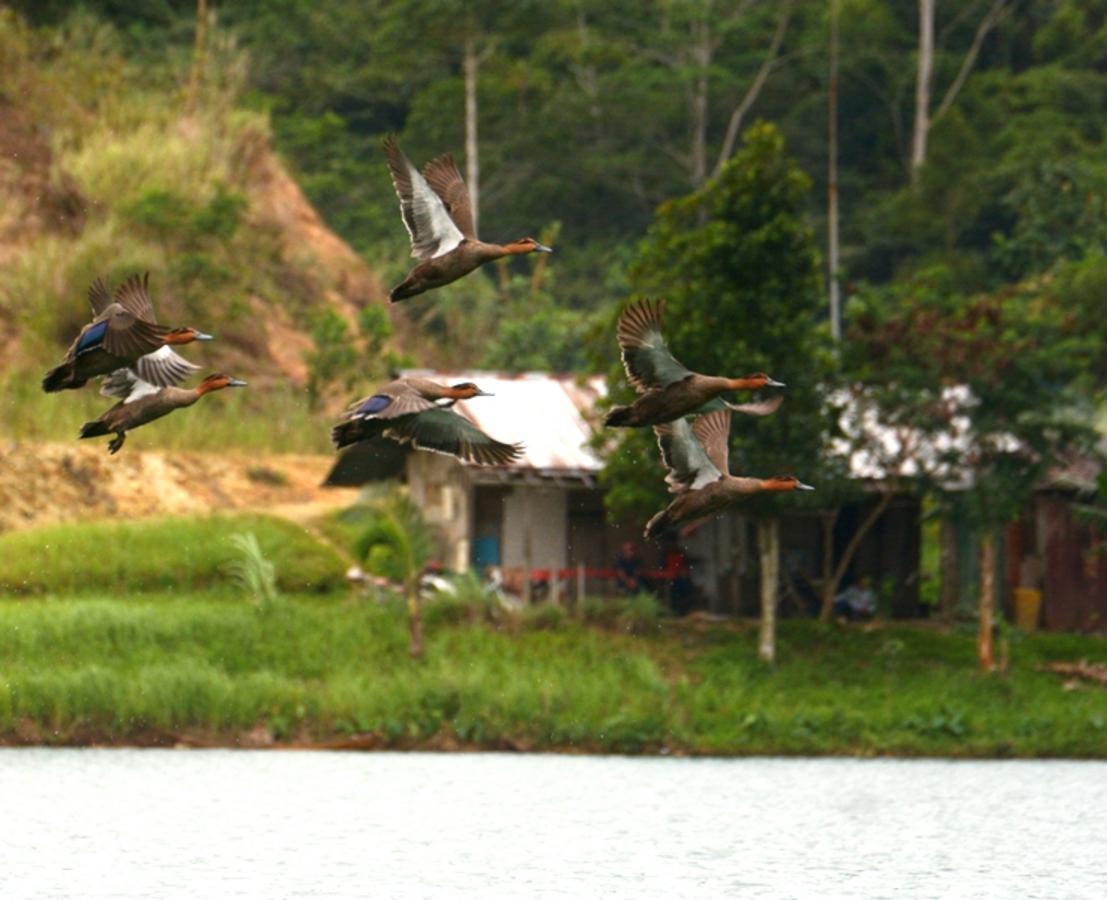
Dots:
pixel 416 411
pixel 122 334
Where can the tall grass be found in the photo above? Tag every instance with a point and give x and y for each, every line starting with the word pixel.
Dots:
pixel 212 667
pixel 159 554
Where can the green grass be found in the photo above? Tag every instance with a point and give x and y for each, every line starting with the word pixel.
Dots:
pixel 159 554
pixel 210 667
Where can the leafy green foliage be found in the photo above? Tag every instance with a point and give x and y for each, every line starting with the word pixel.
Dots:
pixel 396 542
pixel 1020 360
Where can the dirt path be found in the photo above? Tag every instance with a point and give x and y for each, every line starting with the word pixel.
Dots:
pixel 44 483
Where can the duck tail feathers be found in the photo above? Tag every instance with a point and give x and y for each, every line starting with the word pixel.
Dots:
pixel 618 417
pixel 59 378
pixel 657 525
pixel 95 428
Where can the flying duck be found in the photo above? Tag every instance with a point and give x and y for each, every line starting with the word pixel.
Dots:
pixel 124 333
pixel 143 402
pixel 667 389
pixel 438 215
pixel 416 411
pixel 697 457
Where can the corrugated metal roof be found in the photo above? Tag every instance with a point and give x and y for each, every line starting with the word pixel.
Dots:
pixel 545 412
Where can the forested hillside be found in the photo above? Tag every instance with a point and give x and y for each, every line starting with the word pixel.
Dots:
pixel 970 153
pixel 590 114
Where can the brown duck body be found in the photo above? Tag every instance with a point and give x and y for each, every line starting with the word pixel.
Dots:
pixel 664 404
pixel 706 501
pixel 668 390
pixel 125 415
pixel 697 459
pixel 466 257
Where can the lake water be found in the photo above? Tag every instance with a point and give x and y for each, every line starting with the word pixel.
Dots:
pixel 215 824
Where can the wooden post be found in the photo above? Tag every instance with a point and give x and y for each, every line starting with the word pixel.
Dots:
pixel 768 546
pixel 580 583
pixel 987 601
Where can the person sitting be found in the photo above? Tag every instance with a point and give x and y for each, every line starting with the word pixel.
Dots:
pixel 678 573
pixel 629 570
pixel 858 601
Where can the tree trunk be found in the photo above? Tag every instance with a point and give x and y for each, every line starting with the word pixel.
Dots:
pixel 701 53
pixel 922 88
pixel 987 601
pixel 198 52
pixel 827 575
pixel 471 68
pixel 832 181
pixel 830 588
pixel 768 546
pixel 950 587
pixel 415 619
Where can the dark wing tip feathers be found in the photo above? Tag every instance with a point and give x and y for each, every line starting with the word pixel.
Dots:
pixel 639 319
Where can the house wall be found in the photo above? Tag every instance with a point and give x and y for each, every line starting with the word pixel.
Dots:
pixel 535 528
pixel 440 488
pixel 1074 595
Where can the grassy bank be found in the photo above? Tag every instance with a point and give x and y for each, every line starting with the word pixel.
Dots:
pixel 209 668
pixel 173 554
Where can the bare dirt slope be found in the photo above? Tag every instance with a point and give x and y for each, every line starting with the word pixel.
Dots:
pixel 44 483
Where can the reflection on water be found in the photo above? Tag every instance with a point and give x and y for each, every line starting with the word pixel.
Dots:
pixel 164 823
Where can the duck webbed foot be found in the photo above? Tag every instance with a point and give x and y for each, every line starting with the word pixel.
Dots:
pixel 117 442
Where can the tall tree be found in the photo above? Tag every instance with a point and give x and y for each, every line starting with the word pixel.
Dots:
pixel 985 394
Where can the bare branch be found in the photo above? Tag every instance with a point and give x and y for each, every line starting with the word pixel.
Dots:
pixel 754 90
pixel 993 17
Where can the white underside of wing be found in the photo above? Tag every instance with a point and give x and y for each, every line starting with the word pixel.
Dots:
pixel 125 385
pixel 164 367
pixel 433 233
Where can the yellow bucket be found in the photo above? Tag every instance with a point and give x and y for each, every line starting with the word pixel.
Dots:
pixel 1028 606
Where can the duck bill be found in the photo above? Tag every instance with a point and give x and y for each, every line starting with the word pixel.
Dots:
pixel 200 336
pixel 772 382
pixel 480 393
pixel 542 248
pixel 236 382
pixel 804 487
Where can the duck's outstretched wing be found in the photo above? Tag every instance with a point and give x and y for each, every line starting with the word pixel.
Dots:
pixel 690 465
pixel 164 367
pixel 713 432
pixel 128 336
pixel 432 231
pixel 446 181
pixel 126 385
pixel 134 296
pixel 757 408
pixel 98 297
pixel 444 431
pixel 647 360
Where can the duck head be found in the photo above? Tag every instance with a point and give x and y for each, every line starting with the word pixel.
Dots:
pixel 785 483
pixel 217 383
pixel 185 336
pixel 527 245
pixel 465 390
pixel 754 381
